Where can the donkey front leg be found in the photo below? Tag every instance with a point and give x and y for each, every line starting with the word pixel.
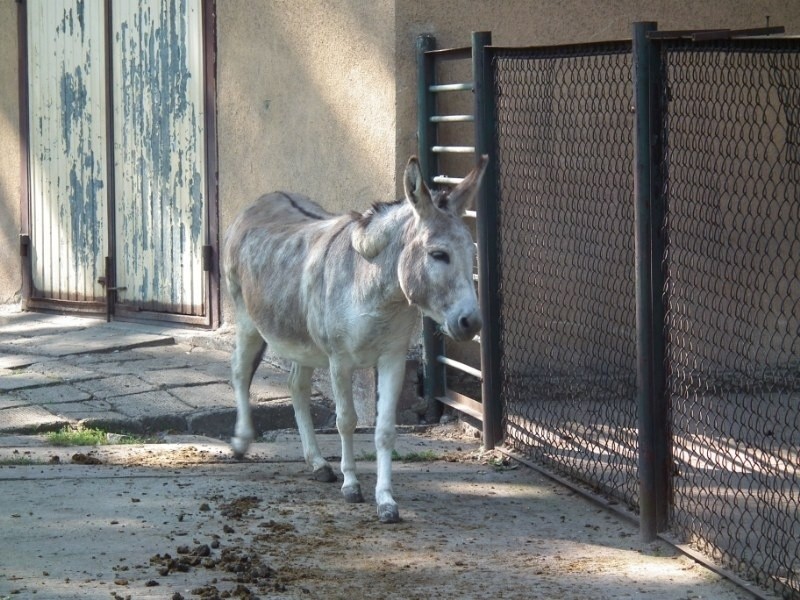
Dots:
pixel 300 385
pixel 244 362
pixel 391 371
pixel 346 419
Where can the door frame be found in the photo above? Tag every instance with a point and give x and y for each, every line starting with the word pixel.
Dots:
pixel 30 300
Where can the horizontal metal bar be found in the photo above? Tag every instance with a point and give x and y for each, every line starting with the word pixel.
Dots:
pixel 736 33
pixel 453 119
pixel 450 53
pixel 698 35
pixel 465 404
pixel 453 149
pixel 451 87
pixel 460 366
pixel 447 180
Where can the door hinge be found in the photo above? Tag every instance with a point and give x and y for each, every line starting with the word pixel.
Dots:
pixel 208 256
pixel 24 244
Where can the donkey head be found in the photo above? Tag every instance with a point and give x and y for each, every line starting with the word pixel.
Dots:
pixel 436 265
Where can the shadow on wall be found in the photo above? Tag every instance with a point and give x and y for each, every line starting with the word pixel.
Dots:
pixel 306 103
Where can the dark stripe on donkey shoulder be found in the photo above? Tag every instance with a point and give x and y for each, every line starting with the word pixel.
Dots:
pixel 300 209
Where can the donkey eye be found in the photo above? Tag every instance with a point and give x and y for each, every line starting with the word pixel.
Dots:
pixel 440 255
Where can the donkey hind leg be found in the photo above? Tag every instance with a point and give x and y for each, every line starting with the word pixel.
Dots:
pixel 300 385
pixel 342 380
pixel 244 362
pixel 391 372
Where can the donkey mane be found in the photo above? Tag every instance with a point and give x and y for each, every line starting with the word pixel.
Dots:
pixel 377 209
pixel 439 198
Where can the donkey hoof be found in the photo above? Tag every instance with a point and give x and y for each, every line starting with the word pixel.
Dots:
pixel 352 493
pixel 239 447
pixel 324 474
pixel 388 513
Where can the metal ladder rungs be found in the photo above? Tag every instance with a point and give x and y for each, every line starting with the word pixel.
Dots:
pixel 452 119
pixel 460 366
pixel 444 179
pixel 451 87
pixel 463 403
pixel 453 149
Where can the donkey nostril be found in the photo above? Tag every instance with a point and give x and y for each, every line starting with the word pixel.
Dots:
pixel 464 323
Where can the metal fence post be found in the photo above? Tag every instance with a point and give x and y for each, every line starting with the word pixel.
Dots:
pixel 653 473
pixel 432 340
pixel 488 275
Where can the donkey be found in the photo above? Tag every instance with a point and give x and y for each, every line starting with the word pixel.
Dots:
pixel 345 292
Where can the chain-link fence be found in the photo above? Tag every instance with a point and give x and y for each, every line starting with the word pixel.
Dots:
pixel 566 260
pixel 731 122
pixel 728 135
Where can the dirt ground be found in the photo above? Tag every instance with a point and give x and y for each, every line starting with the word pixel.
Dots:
pixel 184 520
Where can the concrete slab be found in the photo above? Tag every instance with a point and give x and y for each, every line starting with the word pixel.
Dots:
pixel 15 361
pixel 468 531
pixel 62 370
pixel 95 339
pixel 18 381
pixel 30 419
pixel 150 404
pixel 206 397
pixel 53 394
pixel 168 378
pixel 114 386
pixel 266 417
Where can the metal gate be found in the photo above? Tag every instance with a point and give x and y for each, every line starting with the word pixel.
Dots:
pixel 644 299
pixel 120 200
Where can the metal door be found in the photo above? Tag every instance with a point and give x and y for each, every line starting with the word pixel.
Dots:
pixel 67 142
pixel 118 190
pixel 159 152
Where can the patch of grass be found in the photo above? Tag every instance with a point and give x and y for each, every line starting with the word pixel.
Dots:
pixel 88 436
pixel 21 461
pixel 424 456
pixel 70 436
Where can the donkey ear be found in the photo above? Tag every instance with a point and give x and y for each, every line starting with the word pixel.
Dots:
pixel 417 193
pixel 464 193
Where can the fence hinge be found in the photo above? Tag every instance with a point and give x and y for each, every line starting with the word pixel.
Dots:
pixel 208 255
pixel 24 244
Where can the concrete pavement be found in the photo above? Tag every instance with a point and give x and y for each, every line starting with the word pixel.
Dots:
pixel 63 370
pixel 182 519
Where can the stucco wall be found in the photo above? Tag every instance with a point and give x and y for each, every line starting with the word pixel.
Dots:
pixel 10 278
pixel 319 96
pixel 544 22
pixel 306 100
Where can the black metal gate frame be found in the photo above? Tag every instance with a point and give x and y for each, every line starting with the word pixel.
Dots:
pixel 654 444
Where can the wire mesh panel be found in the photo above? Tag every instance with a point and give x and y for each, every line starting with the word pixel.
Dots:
pixel 732 267
pixel 566 260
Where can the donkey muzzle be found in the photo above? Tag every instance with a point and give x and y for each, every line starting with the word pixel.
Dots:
pixel 464 326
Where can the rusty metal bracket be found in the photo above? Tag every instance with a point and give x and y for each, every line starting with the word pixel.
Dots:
pixel 109 281
pixel 208 257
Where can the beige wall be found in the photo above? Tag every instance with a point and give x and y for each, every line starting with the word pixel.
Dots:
pixel 306 102
pixel 545 22
pixel 319 96
pixel 10 266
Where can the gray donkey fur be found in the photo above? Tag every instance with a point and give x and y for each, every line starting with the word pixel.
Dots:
pixel 345 292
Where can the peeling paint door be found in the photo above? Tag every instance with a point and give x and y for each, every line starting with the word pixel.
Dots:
pixel 67 152
pixel 159 154
pixel 117 158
